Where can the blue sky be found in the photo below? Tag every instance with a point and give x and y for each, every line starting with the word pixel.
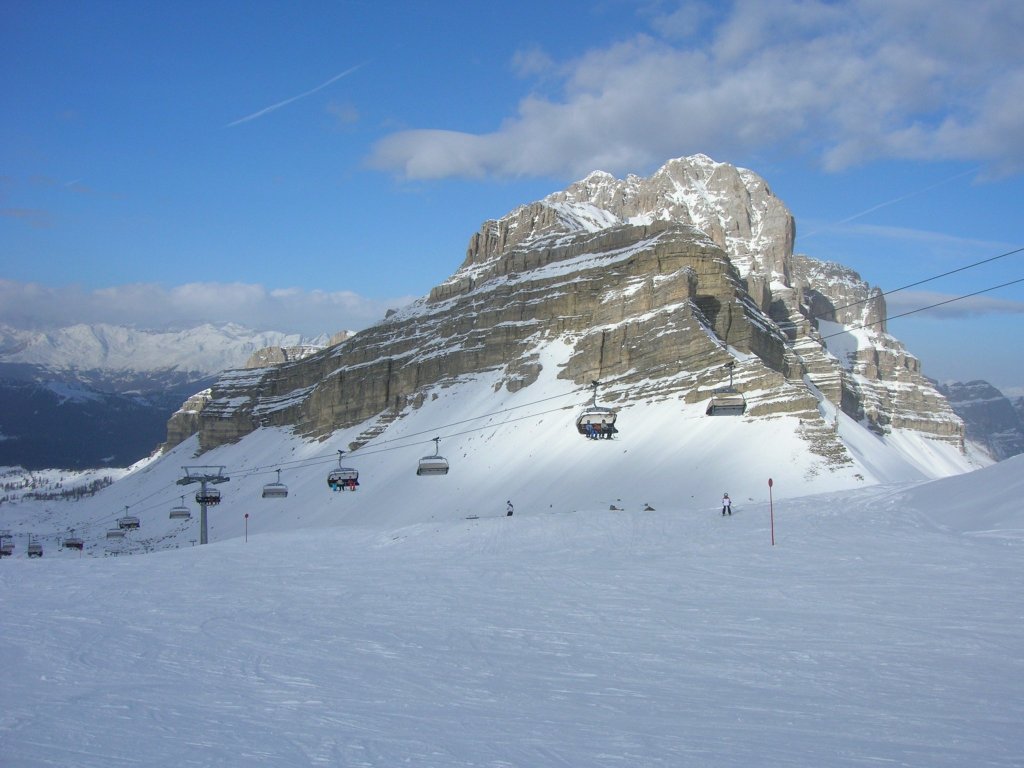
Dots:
pixel 305 166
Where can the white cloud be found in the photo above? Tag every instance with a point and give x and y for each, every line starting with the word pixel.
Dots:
pixel 531 61
pixel 850 81
pixel 155 307
pixel 946 306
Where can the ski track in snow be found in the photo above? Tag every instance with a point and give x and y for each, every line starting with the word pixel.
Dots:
pixel 864 636
pixel 382 628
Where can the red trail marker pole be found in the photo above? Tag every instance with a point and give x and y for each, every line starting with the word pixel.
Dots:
pixel 771 510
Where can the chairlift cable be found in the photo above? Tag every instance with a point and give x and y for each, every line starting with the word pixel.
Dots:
pixel 922 309
pixel 313 460
pixel 921 282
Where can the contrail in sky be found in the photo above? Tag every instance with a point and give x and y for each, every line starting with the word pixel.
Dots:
pixel 895 200
pixel 310 92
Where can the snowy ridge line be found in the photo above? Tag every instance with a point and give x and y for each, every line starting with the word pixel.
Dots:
pixel 203 350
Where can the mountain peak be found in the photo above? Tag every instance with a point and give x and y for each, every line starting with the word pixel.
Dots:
pixel 670 286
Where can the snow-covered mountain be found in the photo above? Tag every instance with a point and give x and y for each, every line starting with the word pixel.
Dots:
pixel 860 606
pixel 521 446
pixel 101 395
pixel 668 287
pixel 60 423
pixel 201 351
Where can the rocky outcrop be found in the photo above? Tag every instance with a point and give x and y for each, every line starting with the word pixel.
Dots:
pixel 990 417
pixel 262 358
pixel 634 300
pixel 870 374
pixel 276 355
pixel 185 421
pixel 653 285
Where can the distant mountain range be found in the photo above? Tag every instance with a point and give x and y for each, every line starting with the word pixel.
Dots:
pixel 100 395
pixel 117 353
pixel 991 419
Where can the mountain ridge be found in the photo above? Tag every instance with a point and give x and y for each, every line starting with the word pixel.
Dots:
pixel 101 395
pixel 655 284
pixel 205 349
pixel 992 420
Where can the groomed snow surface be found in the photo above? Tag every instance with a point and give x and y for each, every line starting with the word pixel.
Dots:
pixel 382 628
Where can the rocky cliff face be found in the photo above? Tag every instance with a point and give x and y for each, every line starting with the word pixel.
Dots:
pixel 990 417
pixel 276 355
pixel 652 285
pixel 185 422
pixel 868 372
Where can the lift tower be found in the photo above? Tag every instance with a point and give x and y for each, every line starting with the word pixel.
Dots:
pixel 208 475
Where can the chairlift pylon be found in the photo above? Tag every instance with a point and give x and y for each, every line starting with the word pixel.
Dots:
pixel 343 478
pixel 433 465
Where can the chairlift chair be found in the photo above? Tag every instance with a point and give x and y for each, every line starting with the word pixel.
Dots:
pixel 128 522
pixel 180 512
pixel 343 478
pixel 210 497
pixel 433 465
pixel 276 490
pixel 35 549
pixel 6 544
pixel 115 533
pixel 596 421
pixel 74 542
pixel 727 401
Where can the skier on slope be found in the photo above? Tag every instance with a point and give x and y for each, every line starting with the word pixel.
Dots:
pixel 509 508
pixel 726 505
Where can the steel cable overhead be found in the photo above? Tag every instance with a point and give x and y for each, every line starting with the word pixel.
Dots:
pixel 928 280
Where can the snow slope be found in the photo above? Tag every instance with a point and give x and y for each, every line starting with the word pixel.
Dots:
pixel 867 635
pixel 383 628
pixel 521 446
